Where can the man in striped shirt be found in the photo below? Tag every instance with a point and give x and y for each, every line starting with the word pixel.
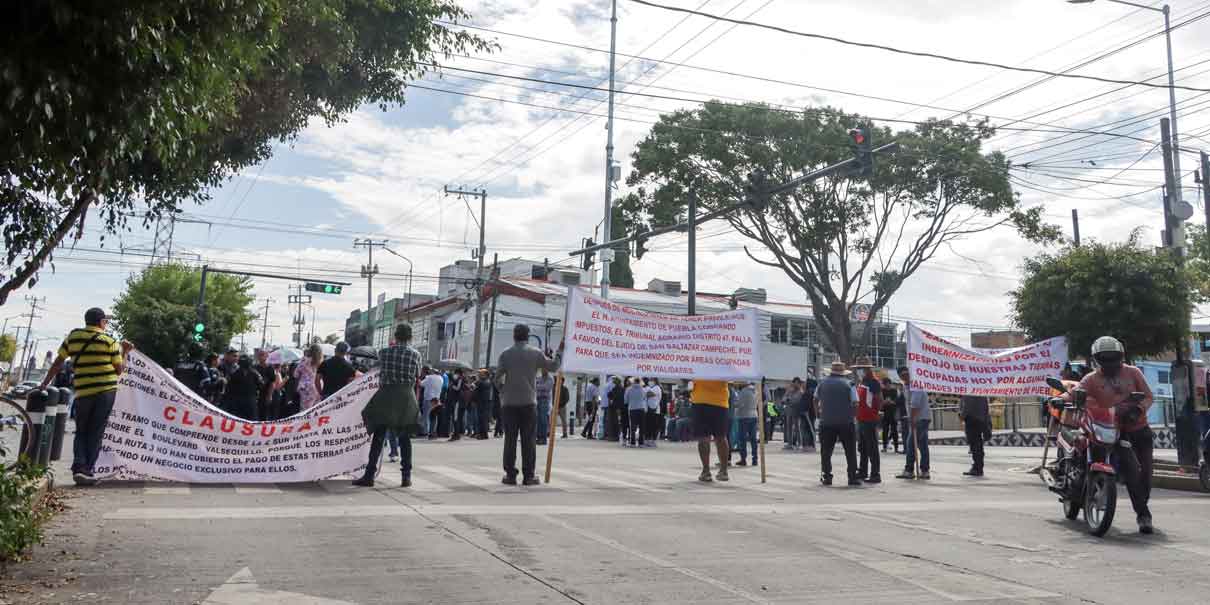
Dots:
pixel 97 360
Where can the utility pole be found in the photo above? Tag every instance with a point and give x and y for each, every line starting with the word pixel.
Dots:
pixel 1075 225
pixel 1205 181
pixel 607 254
pixel 29 328
pixel 491 322
pixel 161 247
pixel 368 271
pixel 482 195
pixel 692 224
pixel 264 330
pixel 298 299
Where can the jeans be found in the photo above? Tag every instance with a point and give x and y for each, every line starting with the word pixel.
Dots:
pixel 828 436
pixel 921 438
pixel 92 414
pixel 405 447
pixel 542 418
pixel 890 428
pixel 519 421
pixel 426 408
pixel 472 418
pixel 1203 431
pixel 975 429
pixel 1136 465
pixel 747 435
pixel 636 427
pixel 867 433
pixel 393 441
pixel 790 430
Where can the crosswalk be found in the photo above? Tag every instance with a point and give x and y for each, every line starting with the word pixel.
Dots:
pixel 443 479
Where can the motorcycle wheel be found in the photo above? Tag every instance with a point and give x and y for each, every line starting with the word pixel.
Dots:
pixel 1071 508
pixel 1100 503
pixel 1204 475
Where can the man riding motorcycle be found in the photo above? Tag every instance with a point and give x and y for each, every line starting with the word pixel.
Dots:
pixel 1110 386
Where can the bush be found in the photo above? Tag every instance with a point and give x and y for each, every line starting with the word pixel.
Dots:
pixel 20 524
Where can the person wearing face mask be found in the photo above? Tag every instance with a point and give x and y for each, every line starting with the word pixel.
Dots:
pixel 1110 385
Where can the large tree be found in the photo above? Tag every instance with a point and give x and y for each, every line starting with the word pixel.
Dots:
pixel 134 109
pixel 1123 290
pixel 844 239
pixel 8 347
pixel 157 311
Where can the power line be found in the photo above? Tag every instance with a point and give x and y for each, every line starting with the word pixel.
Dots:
pixel 901 51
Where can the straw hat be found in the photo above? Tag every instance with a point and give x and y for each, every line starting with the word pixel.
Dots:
pixel 862 363
pixel 839 369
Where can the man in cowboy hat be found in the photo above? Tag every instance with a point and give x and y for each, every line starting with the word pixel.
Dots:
pixel 869 402
pixel 835 398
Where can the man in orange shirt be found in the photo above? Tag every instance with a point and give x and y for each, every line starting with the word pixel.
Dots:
pixel 709 417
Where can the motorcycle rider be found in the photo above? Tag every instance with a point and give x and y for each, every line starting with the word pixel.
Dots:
pixel 1110 386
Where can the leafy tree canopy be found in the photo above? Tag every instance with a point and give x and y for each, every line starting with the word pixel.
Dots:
pixel 843 239
pixel 1122 290
pixel 133 109
pixel 157 311
pixel 8 347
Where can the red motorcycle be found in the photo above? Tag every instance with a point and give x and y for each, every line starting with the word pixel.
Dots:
pixel 1085 472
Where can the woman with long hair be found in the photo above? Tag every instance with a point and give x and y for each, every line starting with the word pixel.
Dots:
pixel 309 383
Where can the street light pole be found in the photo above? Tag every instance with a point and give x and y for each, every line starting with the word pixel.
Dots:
pixel 409 298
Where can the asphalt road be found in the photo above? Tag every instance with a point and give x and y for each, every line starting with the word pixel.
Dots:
pixel 614 526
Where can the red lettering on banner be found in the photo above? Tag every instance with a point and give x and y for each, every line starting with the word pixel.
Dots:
pixel 305 426
pixel 207 423
pixel 267 430
pixel 287 429
pixel 323 420
pixel 169 413
pixel 226 425
pixel 248 430
pixel 185 419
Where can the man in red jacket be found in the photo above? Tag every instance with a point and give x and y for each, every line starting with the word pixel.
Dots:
pixel 869 402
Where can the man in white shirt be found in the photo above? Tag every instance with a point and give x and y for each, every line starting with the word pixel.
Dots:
pixel 430 388
pixel 651 422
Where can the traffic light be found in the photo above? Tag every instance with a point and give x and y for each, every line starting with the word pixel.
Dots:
pixel 324 288
pixel 199 326
pixel 756 191
pixel 640 243
pixel 859 142
pixel 589 258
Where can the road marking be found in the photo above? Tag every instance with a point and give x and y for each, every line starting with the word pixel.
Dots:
pixel 257 489
pixel 558 481
pixel 167 489
pixel 481 481
pixel 663 564
pixel 609 481
pixel 688 481
pixel 242 589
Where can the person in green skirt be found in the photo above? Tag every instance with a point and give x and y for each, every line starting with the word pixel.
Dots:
pixel 394 407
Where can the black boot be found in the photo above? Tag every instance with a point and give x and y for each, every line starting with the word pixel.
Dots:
pixel 365 481
pixel 406 480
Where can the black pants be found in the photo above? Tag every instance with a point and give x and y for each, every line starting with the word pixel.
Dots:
pixel 890 427
pixel 867 437
pixel 975 429
pixel 590 420
pixel 405 451
pixel 485 418
pixel 1136 468
pixel 828 436
pixel 807 421
pixel 498 417
pixel 519 420
pixel 92 414
pixel 612 423
pixel 637 426
pixel 458 411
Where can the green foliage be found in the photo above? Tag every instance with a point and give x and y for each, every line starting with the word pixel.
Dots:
pixel 20 523
pixel 138 108
pixel 157 311
pixel 620 274
pixel 8 347
pixel 1121 290
pixel 1198 260
pixel 844 238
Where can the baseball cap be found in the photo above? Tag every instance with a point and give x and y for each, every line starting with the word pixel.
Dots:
pixel 94 316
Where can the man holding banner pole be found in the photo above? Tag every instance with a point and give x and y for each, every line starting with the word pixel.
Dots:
pixel 518 369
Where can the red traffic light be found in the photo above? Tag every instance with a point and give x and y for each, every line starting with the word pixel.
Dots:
pixel 858 136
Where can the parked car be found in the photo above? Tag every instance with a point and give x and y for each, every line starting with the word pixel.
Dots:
pixel 19 391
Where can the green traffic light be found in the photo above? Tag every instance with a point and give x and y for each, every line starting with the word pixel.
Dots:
pixel 197 338
pixel 199 327
pixel 328 288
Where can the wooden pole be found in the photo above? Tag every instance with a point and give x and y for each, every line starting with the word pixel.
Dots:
pixel 554 411
pixel 760 420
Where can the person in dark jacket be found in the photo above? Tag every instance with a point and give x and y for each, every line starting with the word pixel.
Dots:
pixel 485 395
pixel 976 420
pixel 243 391
pixel 393 407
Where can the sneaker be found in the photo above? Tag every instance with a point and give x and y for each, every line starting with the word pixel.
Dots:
pixel 405 480
pixel 1145 525
pixel 392 458
pixel 874 479
pixel 363 482
pixel 742 463
pixel 855 482
pixel 906 475
pixel 531 481
pixel 825 479
pixel 509 480
pixel 721 475
pixel 705 477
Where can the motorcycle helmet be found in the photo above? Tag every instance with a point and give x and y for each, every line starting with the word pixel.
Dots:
pixel 1108 352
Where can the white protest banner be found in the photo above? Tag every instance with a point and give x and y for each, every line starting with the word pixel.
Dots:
pixel 160 430
pixel 606 337
pixel 939 366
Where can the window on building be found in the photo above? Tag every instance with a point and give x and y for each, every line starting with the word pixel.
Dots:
pixel 1165 377
pixel 440 330
pixel 537 271
pixel 800 330
pixel 779 330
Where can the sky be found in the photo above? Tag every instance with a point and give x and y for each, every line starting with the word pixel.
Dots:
pixel 539 149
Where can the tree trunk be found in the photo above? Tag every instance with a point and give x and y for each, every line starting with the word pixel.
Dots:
pixel 31 267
